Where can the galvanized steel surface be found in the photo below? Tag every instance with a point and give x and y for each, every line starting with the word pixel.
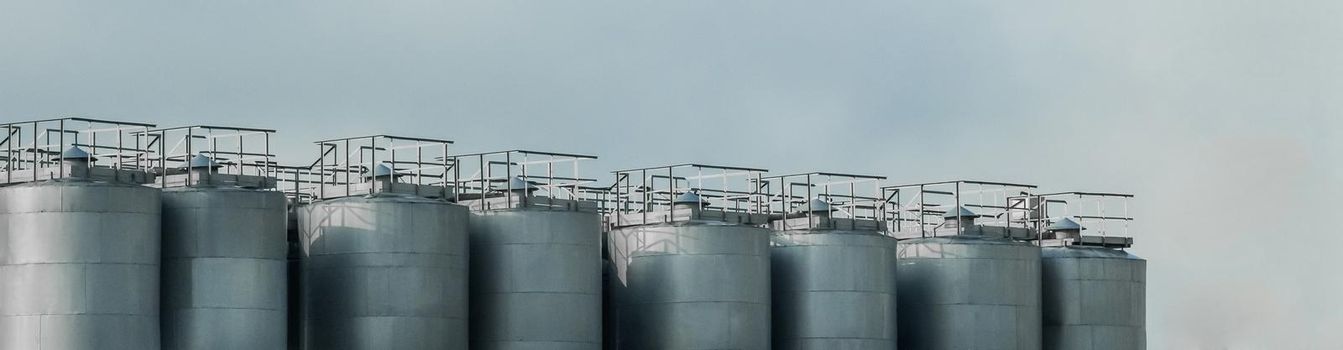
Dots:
pixel 224 279
pixel 536 279
pixel 833 290
pixel 690 285
pixel 969 293
pixel 1094 299
pixel 79 266
pixel 384 272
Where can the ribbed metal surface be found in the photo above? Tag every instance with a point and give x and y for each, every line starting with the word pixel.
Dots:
pixel 80 266
pixel 690 285
pixel 1094 299
pixel 223 269
pixel 969 293
pixel 384 272
pixel 833 290
pixel 536 280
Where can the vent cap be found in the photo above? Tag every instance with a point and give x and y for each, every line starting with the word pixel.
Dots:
pixel 1065 224
pixel 75 153
pixel 960 211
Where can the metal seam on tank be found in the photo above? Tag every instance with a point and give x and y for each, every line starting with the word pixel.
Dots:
pixel 65 209
pixel 681 254
pixel 786 246
pixel 846 338
pixel 977 303
pixel 224 258
pixel 698 302
pixel 585 245
pixel 540 341
pixel 850 291
pixel 540 292
pixel 227 308
pixel 82 314
pixel 82 263
pixel 386 253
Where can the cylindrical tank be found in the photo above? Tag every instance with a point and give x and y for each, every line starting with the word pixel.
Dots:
pixel 384 272
pixel 1094 299
pixel 691 285
pixel 223 268
pixel 969 292
pixel 79 266
pixel 833 289
pixel 536 279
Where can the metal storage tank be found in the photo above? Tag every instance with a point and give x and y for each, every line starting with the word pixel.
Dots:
pixel 691 264
pixel 833 269
pixel 79 240
pixel 962 285
pixel 536 263
pixel 224 274
pixel 384 264
pixel 1094 292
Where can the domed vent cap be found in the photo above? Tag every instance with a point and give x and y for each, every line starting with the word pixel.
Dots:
pixel 689 198
pixel 75 153
pixel 817 205
pixel 382 170
pixel 202 161
pixel 517 184
pixel 1065 224
pixel 961 212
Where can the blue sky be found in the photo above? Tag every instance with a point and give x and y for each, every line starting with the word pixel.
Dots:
pixel 1223 116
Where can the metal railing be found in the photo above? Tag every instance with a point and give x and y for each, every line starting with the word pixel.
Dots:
pixel 849 196
pixel 236 151
pixel 641 192
pixel 1101 215
pixel 33 149
pixel 371 164
pixel 922 208
pixel 553 175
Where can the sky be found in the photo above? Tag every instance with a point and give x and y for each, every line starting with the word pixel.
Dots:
pixel 1224 117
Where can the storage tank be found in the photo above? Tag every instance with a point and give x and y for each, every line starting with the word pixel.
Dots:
pixel 693 272
pixel 79 248
pixel 535 255
pixel 968 286
pixel 384 267
pixel 1094 291
pixel 224 275
pixel 833 269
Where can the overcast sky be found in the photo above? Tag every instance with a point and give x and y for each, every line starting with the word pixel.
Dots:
pixel 1224 117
